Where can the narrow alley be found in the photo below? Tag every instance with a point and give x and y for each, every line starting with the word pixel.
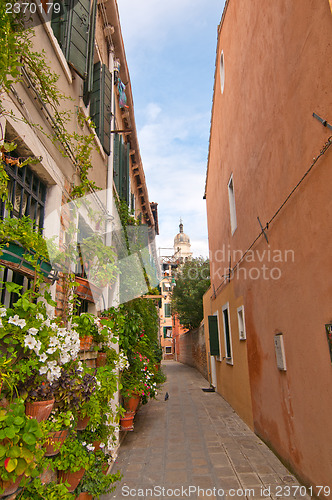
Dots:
pixel 194 445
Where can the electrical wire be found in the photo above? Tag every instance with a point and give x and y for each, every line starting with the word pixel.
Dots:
pixel 227 277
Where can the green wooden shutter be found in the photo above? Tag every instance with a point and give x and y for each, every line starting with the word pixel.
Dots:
pixel 77 35
pixel 106 108
pixel 88 82
pixel 100 104
pixel 59 23
pixel 213 335
pixel 165 332
pixel 116 162
pixel 125 173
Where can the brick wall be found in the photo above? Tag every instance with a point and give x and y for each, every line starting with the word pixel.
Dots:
pixel 192 351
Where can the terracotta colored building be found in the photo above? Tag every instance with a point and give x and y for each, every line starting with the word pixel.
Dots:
pixel 269 209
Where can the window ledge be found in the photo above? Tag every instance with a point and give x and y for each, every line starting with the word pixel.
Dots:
pixel 84 110
pixel 57 48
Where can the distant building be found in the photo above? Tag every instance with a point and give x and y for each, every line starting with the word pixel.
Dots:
pixel 269 210
pixel 170 327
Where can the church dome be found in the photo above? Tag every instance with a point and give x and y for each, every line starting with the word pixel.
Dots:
pixel 181 237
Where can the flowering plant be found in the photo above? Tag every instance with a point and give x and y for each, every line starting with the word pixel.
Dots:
pixel 73 456
pixel 58 420
pixel 39 345
pixel 95 481
pixel 84 325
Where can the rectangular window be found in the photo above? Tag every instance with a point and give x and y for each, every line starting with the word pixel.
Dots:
pixel 27 194
pixel 232 208
pixel 241 323
pixel 121 167
pixel 168 349
pixel 214 335
pixel 167 310
pixel 227 332
pixel 167 332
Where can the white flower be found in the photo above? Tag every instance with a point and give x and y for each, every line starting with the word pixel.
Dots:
pixel 1 325
pixel 90 447
pixel 102 445
pixel 3 312
pixel 80 366
pixel 39 316
pixel 43 370
pixel 84 443
pixel 43 357
pixel 37 347
pixel 17 321
pixel 51 350
pixel 54 327
pixel 30 341
pixel 64 358
pixel 33 331
pixel 54 342
pixel 47 322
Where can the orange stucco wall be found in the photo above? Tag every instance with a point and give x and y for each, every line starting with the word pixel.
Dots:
pixel 232 379
pixel 277 68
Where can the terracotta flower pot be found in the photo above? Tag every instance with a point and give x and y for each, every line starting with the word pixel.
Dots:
pixel 127 421
pixel 54 442
pixel 82 423
pixel 84 496
pixel 40 410
pixel 101 359
pixel 72 478
pixel 85 343
pixel 96 444
pixel 131 402
pixel 9 486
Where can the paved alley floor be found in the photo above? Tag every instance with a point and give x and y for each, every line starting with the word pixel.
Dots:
pixel 195 446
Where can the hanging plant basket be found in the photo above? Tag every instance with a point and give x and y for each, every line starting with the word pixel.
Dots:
pixel 85 343
pixel 9 486
pixel 127 421
pixel 84 496
pixel 82 423
pixel 54 442
pixel 101 359
pixel 85 288
pixel 40 410
pixel 13 257
pixel 73 478
pixel 131 402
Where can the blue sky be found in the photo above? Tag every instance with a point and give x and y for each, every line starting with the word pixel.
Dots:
pixel 170 48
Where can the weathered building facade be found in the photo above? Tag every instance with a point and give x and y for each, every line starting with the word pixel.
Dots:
pixel 269 212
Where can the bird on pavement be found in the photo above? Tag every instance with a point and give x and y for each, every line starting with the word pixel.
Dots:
pixel 166 396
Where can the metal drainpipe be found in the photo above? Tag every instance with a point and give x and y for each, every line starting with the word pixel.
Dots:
pixel 109 185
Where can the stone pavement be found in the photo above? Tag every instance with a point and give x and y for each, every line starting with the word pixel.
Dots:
pixel 196 440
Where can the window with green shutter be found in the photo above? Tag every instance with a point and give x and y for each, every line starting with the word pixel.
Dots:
pixel 121 168
pixel 100 104
pixel 214 335
pixel 73 27
pixel 167 310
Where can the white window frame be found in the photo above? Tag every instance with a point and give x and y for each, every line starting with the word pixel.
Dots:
pixel 168 347
pixel 232 205
pixel 241 323
pixel 229 359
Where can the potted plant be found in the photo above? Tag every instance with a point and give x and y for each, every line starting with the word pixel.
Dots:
pixel 23 247
pixel 73 390
pixel 86 328
pixel 95 482
pixel 36 490
pixel 56 427
pixel 72 462
pixel 20 447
